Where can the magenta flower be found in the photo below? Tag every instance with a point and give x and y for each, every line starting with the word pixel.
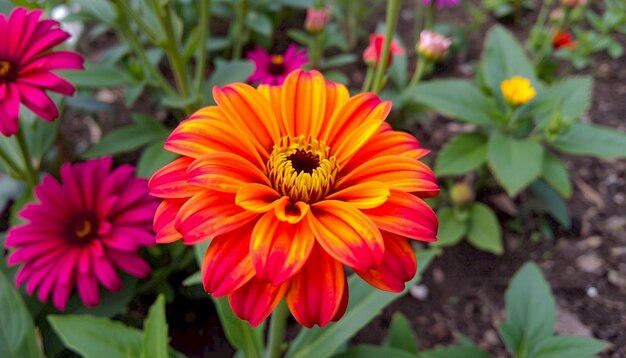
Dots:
pixel 81 230
pixel 273 69
pixel 26 63
pixel 442 3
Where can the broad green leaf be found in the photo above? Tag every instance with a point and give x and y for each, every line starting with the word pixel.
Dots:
pixel 153 158
pixel 299 36
pixel 573 96
pixel 40 137
pixel 97 337
pixel 96 77
pixel 365 303
pixel 401 335
pixel 530 308
pixel 371 351
pixel 101 10
pixel 458 99
pixel 228 72
pixel 339 60
pixel 515 162
pixel 553 203
pixel 503 57
pixel 454 352
pixel 259 23
pixel 595 140
pixel 568 346
pixel 155 336
pixel 17 333
pixel 555 173
pixel 484 229
pixel 193 279
pixel 451 228
pixel 462 154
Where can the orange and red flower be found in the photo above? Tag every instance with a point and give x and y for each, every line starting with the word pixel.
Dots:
pixel 563 39
pixel 290 183
pixel 374 51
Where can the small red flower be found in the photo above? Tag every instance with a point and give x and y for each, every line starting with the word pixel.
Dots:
pixel 374 50
pixel 563 39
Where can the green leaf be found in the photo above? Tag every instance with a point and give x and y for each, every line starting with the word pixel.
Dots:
pixel 573 96
pixel 96 77
pixel 451 228
pixel 484 230
pixel 462 154
pixel 503 57
pixel 101 10
pixel 568 346
pixel 530 308
pixel 299 36
pixel 259 23
pixel 595 140
pixel 515 162
pixel 454 352
pixel 155 335
pixel 552 202
pixel 153 158
pixel 339 60
pixel 555 173
pixel 40 137
pixel 458 99
pixel 401 335
pixel 365 303
pixel 370 351
pixel 97 337
pixel 228 72
pixel 17 333
pixel 193 279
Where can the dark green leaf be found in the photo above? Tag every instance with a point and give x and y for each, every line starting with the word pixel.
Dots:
pixel 339 60
pixel 259 23
pixel 454 352
pixel 401 335
pixel 572 95
pixel 552 202
pixel 155 336
pixel 531 310
pixel 568 346
pixel 515 162
pixel 228 72
pixel 451 228
pixel 299 36
pixel 100 10
pixel 589 139
pixel 484 230
pixel 555 173
pixel 17 333
pixel 370 351
pixel 153 158
pixel 458 99
pixel 96 77
pixel 462 154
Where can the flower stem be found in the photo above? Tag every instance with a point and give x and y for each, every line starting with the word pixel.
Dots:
pixel 393 11
pixel 241 12
pixel 203 27
pixel 429 21
pixel 278 324
pixel 419 72
pixel 369 75
pixel 316 50
pixel 30 175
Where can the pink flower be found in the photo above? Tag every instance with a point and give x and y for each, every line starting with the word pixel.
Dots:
pixel 316 19
pixel 433 46
pixel 273 69
pixel 373 52
pixel 26 63
pixel 442 3
pixel 81 231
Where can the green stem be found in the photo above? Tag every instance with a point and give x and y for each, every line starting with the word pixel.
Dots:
pixel 241 13
pixel 518 11
pixel 419 72
pixel 418 21
pixel 316 50
pixel 203 25
pixel 30 174
pixel 393 11
pixel 139 21
pixel 369 76
pixel 430 15
pixel 277 330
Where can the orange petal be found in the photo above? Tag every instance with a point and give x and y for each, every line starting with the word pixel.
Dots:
pixel 406 215
pixel 164 220
pixel 171 181
pixel 336 96
pixel 351 115
pixel 364 195
pixel 303 103
pixel 386 142
pixel 227 265
pixel 209 131
pixel 346 234
pixel 250 114
pixel 355 140
pixel 279 249
pixel 399 265
pixel 397 172
pixel 291 213
pixel 258 198
pixel 316 293
pixel 224 172
pixel 256 300
pixel 210 214
pixel 273 94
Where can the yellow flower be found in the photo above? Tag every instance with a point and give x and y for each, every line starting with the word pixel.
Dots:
pixel 517 90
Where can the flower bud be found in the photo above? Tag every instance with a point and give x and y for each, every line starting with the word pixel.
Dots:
pixel 316 19
pixel 557 15
pixel 374 50
pixel 517 91
pixel 461 194
pixel 563 39
pixel 432 46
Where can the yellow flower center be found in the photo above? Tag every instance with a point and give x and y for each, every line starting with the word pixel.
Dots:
pixel 517 90
pixel 5 67
pixel 302 169
pixel 277 59
pixel 83 230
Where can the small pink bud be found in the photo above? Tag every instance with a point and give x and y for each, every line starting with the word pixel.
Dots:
pixel 433 46
pixel 316 19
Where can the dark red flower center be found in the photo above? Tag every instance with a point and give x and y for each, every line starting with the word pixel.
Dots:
pixel 277 65
pixel 304 161
pixel 8 71
pixel 82 228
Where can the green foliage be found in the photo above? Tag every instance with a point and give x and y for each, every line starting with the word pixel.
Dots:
pixel 595 140
pixel 555 174
pixel 401 335
pixel 155 339
pixel 17 333
pixel 484 230
pixel 463 153
pixel 452 226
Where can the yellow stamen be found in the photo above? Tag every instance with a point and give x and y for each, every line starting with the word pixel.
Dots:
pixel 84 230
pixel 302 169
pixel 5 66
pixel 277 59
pixel 517 90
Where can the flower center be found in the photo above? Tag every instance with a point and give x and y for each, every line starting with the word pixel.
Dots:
pixel 7 71
pixel 277 65
pixel 302 169
pixel 82 228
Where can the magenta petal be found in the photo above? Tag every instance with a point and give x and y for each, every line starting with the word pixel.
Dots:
pixel 9 110
pixel 37 101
